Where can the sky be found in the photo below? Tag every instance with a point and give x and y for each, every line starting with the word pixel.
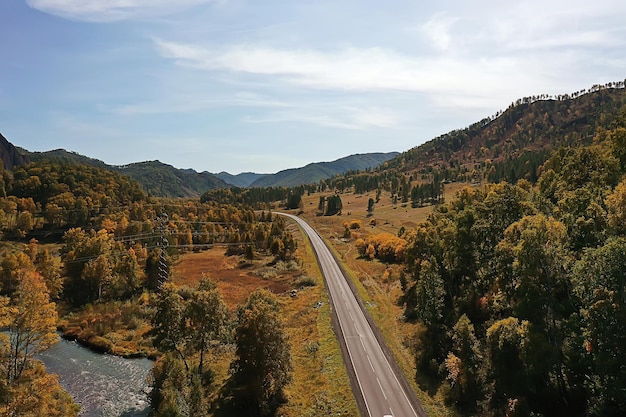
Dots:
pixel 266 85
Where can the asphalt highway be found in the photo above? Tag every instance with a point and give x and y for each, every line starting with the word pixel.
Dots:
pixel 380 387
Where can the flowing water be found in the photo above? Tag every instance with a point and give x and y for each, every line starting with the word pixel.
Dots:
pixel 103 385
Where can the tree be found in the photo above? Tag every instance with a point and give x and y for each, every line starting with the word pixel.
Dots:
pixel 294 201
pixel 126 275
pixel 429 296
pixel 370 207
pixel 616 207
pixel 207 315
pixel 505 344
pixel 321 205
pixel 32 328
pixel 264 359
pixel 96 276
pixel 50 269
pixel 465 366
pixel 169 323
pixel 168 397
pixel 333 205
pixel 600 284
pixel 88 264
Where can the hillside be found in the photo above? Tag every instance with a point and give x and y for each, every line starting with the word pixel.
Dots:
pixel 158 179
pixel 530 125
pixel 314 172
pixel 164 180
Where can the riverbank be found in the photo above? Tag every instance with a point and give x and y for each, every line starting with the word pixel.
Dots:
pixel 103 385
pixel 116 327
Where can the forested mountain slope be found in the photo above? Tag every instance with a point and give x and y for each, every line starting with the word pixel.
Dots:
pixel 314 172
pixel 529 125
pixel 157 178
pixel 163 180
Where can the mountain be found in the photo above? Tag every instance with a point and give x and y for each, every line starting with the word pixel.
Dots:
pixel 164 180
pixel 528 128
pixel 65 157
pixel 316 171
pixel 10 155
pixel 157 178
pixel 242 180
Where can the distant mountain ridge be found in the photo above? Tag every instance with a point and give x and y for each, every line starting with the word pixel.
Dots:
pixel 242 180
pixel 157 178
pixel 317 171
pixel 163 180
pixel 530 126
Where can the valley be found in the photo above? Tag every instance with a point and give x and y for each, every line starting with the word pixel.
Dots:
pixel 489 274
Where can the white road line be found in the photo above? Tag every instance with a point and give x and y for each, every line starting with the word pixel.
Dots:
pixel 381 388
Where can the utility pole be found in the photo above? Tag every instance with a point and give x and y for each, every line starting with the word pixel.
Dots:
pixel 163 244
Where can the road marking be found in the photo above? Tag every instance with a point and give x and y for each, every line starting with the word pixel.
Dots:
pixel 373 370
pixel 381 388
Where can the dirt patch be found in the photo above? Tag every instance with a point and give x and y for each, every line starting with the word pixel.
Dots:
pixel 234 277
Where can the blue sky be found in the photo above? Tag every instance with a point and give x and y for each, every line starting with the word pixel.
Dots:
pixel 251 85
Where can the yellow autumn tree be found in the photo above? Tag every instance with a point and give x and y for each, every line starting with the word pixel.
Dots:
pixel 32 323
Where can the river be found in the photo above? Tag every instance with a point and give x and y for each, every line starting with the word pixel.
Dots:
pixel 103 385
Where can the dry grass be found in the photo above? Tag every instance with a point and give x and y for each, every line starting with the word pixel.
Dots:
pixel 319 378
pixel 234 277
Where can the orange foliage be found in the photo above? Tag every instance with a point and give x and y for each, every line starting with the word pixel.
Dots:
pixel 384 246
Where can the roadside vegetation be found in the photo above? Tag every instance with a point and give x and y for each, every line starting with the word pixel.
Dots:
pixel 507 296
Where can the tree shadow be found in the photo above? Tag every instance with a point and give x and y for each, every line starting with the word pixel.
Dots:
pixel 235 399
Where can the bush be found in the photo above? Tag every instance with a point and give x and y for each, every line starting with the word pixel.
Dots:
pixel 306 281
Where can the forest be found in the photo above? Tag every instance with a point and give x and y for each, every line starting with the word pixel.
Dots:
pixel 80 240
pixel 518 289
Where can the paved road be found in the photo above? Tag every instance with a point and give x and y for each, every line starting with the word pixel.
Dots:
pixel 379 386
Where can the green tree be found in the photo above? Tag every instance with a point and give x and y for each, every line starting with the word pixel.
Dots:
pixel 169 382
pixel 429 296
pixel 207 317
pixel 465 366
pixel 599 281
pixel 263 362
pixel 505 349
pixel 169 326
pixel 321 206
pixel 370 207
pixel 333 205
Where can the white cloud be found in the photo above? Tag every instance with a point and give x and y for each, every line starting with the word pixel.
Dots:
pixel 437 30
pixel 193 103
pixel 342 117
pixel 371 69
pixel 112 10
